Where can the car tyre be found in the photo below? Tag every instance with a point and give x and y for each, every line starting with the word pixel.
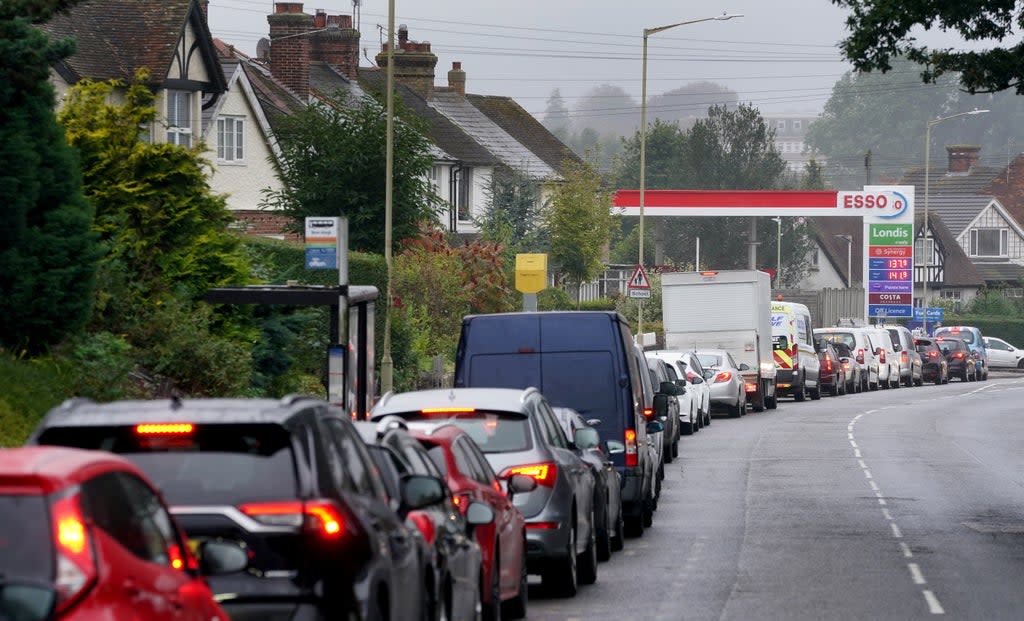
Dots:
pixel 562 578
pixel 675 449
pixel 736 411
pixel 515 608
pixel 619 540
pixel 648 512
pixel 492 607
pixel 816 391
pixel 800 392
pixel 587 561
pixel 604 541
pixel 772 403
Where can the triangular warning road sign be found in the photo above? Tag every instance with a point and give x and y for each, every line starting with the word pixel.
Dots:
pixel 639 279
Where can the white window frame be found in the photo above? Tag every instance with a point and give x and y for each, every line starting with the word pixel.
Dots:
pixel 781 124
pixel 179 117
pixel 974 245
pixel 231 139
pixel 951 294
pixel 797 125
pixel 1013 292
pixel 925 257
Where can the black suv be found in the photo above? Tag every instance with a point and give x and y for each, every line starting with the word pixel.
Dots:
pixel 290 480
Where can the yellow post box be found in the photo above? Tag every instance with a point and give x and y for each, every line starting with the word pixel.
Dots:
pixel 531 272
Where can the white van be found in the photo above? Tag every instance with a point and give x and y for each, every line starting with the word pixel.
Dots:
pixel 863 350
pixel 888 359
pixel 797 369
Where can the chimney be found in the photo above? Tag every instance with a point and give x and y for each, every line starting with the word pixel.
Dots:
pixel 457 78
pixel 289 46
pixel 414 63
pixel 962 157
pixel 338 45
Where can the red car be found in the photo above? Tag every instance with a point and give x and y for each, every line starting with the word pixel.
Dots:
pixel 503 542
pixel 85 536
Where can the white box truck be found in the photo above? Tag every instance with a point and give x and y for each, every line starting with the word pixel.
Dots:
pixel 730 310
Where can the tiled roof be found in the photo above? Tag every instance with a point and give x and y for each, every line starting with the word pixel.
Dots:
pixel 941 181
pixel 114 38
pixel 958 269
pixel 515 120
pixel 1002 272
pixel 956 211
pixel 487 133
pixel 276 100
pixel 441 130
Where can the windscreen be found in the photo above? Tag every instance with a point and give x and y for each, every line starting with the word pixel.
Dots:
pixel 964 335
pixel 494 432
pixel 26 542
pixel 211 465
pixel 846 338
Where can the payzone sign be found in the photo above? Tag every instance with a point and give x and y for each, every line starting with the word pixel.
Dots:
pixel 888 248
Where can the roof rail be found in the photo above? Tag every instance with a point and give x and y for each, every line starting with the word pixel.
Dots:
pixel 390 422
pixel 74 402
pixel 295 397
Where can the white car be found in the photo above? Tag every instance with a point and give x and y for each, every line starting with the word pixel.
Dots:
pixel 1003 355
pixel 689 368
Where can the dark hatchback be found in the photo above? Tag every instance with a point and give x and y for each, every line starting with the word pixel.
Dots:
pixel 958 357
pixel 934 367
pixel 833 374
pixel 289 480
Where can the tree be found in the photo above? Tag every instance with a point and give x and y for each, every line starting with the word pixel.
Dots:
pixel 579 223
pixel 512 214
pixel 48 252
pixel 690 102
pixel 556 117
pixel 333 164
pixel 881 30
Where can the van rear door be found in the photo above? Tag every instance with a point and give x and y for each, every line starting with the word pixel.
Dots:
pixel 499 351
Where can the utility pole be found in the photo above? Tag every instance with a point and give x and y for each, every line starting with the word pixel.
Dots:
pixel 867 167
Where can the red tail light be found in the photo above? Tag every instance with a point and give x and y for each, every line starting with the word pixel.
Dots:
pixel 164 429
pixel 648 413
pixel 881 356
pixel 904 358
pixel 631 455
pixel 828 363
pixel 724 376
pixel 544 474
pixel 319 516
pixel 690 375
pixel 933 354
pixel 750 387
pixel 462 499
pixel 424 524
pixel 860 356
pixel 958 354
pixel 76 566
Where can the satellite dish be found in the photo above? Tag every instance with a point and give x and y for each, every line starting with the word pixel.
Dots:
pixel 263 49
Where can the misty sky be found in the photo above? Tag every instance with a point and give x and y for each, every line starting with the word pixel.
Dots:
pixel 781 55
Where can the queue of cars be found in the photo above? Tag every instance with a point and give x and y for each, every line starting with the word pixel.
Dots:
pixel 548 452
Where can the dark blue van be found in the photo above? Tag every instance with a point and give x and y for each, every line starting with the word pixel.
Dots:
pixel 577 359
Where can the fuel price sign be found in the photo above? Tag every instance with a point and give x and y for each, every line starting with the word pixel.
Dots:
pixel 890 273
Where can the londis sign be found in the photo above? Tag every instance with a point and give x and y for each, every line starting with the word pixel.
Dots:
pixel 879 203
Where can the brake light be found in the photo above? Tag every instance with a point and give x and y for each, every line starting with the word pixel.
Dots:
pixel 462 499
pixel 881 356
pixel 933 354
pixel 828 363
pixel 424 524
pixel 958 354
pixel 648 412
pixel 724 376
pixel 690 375
pixel 860 356
pixel 750 387
pixel 164 429
pixel 447 410
pixel 542 525
pixel 631 455
pixel 544 474
pixel 317 515
pixel 76 566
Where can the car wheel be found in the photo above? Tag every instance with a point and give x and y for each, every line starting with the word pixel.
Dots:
pixel 515 608
pixel 619 540
pixel 689 428
pixel 707 416
pixel 772 403
pixel 604 540
pixel 587 562
pixel 562 578
pixel 800 392
pixel 635 524
pixel 492 607
pixel 675 449
pixel 737 410
pixel 816 391
pixel 648 512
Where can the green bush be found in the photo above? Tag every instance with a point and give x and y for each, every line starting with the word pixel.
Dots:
pixel 30 388
pixel 598 305
pixel 102 363
pixel 554 299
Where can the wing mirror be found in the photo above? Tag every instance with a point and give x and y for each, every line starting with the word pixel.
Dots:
pixel 697 379
pixel 670 388
pixel 27 600
pixel 478 514
pixel 586 438
pixel 420 490
pixel 217 558
pixel 616 448
pixel 520 483
pixel 655 427
pixel 660 405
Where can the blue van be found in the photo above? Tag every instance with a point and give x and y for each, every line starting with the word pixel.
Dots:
pixel 976 343
pixel 581 360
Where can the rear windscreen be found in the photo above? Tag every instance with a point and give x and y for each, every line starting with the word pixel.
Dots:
pixel 214 464
pixel 948 345
pixel 494 432
pixel 26 548
pixel 846 338
pixel 710 360
pixel 582 380
pixel 964 335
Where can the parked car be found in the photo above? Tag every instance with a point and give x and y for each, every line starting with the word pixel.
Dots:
pixel 655 408
pixel 690 370
pixel 833 375
pixel 958 357
pixel 608 484
pixel 503 541
pixel 934 366
pixel 888 361
pixel 910 360
pixel 579 359
pixel 450 558
pixel 975 343
pixel 725 381
pixel 690 418
pixel 852 370
pixel 1002 355
pixel 518 434
pixel 289 479
pixel 662 383
pixel 865 354
pixel 85 535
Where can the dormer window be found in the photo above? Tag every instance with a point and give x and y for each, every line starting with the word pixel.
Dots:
pixel 989 242
pixel 179 117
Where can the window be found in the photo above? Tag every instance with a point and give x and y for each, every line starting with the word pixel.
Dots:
pixel 464 196
pixel 988 242
pixel 230 139
pixel 1013 292
pixel 179 118
pixel 924 251
pixel 950 294
pixel 780 125
pixel 797 125
pixel 128 511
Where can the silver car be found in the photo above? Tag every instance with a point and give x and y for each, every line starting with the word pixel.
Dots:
pixel 519 435
pixel 725 381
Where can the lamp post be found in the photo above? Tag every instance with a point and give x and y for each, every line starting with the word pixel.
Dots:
pixel 778 253
pixel 927 179
pixel 849 257
pixel 643 135
pixel 386 363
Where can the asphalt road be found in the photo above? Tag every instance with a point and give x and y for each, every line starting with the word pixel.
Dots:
pixel 898 504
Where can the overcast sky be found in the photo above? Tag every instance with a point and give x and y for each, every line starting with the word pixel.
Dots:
pixel 781 55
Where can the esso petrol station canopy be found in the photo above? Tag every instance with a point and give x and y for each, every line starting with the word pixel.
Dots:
pixel 887 212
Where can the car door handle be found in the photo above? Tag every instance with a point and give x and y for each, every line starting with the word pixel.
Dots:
pixel 131 589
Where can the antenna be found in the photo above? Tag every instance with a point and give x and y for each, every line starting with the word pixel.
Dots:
pixel 263 49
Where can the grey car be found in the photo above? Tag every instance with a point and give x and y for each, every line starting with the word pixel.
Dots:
pixel 662 382
pixel 519 434
pixel 725 381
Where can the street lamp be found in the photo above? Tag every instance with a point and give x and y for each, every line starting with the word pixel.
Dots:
pixel 643 134
pixel 778 253
pixel 386 363
pixel 849 257
pixel 927 179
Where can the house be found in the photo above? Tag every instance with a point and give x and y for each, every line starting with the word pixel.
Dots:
pixel 790 134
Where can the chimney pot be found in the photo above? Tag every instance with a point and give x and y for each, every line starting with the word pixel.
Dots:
pixel 457 78
pixel 962 157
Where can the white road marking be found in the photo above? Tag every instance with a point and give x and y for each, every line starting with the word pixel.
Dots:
pixel 856 452
pixel 849 435
pixel 896 532
pixel 979 389
pixel 867 474
pixel 874 486
pixel 849 427
pixel 888 516
pixel 853 444
pixel 906 550
pixel 862 464
pixel 915 573
pixel 868 412
pixel 881 500
pixel 934 606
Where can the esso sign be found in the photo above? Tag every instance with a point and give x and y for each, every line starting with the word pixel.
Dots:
pixel 884 204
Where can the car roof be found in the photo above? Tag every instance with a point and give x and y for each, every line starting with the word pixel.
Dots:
pixel 501 399
pixel 54 467
pixel 86 413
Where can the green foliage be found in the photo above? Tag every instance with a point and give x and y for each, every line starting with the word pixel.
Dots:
pixel 552 299
pixel 880 30
pixel 512 215
pixel 579 222
pixel 31 388
pixel 48 252
pixel 434 299
pixel 102 363
pixel 992 303
pixel 598 305
pixel 333 164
